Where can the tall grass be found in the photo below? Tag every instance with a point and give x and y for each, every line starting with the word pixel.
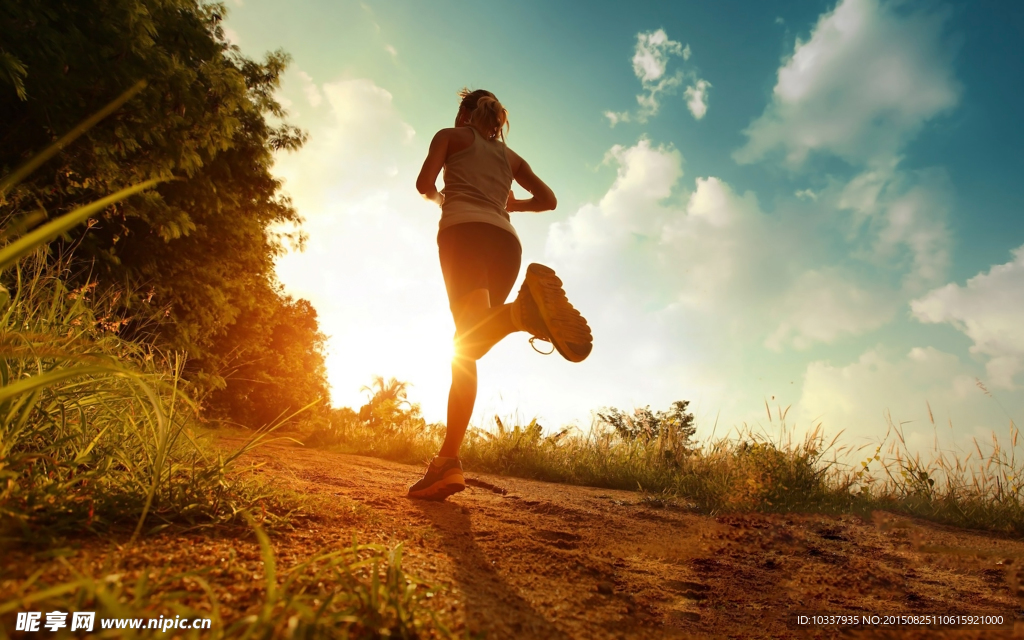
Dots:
pixel 96 430
pixel 753 469
pixel 981 488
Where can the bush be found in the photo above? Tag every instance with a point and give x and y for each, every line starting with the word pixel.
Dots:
pixel 675 424
pixel 388 425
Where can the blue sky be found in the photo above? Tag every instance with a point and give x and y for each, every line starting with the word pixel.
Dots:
pixel 807 203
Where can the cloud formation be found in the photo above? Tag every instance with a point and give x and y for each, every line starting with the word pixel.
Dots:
pixel 697 98
pixel 814 272
pixel 989 310
pixel 865 83
pixel 654 50
pixel 313 95
pixel 921 386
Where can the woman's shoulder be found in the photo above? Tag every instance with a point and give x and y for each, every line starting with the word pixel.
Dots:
pixel 454 133
pixel 456 138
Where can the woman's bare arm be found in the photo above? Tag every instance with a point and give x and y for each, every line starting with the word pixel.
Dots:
pixel 426 182
pixel 543 197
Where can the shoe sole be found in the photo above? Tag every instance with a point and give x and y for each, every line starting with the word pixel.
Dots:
pixel 447 486
pixel 555 311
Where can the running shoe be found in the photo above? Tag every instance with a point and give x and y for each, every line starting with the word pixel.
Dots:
pixel 547 314
pixel 443 478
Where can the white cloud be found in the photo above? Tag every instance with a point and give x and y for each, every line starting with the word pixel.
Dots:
pixel 887 241
pixel 867 80
pixel 696 97
pixel 651 58
pixel 653 50
pixel 390 49
pixel 309 87
pixel 902 218
pixel 615 117
pixel 715 254
pixel 780 281
pixel 824 305
pixel 989 309
pixel 855 398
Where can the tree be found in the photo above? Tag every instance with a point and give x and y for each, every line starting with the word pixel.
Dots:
pixel 646 425
pixel 197 254
pixel 381 390
pixel 276 362
pixel 389 406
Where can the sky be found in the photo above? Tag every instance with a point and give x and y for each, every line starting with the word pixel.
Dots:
pixel 762 205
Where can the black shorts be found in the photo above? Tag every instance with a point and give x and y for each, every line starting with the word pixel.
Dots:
pixel 478 255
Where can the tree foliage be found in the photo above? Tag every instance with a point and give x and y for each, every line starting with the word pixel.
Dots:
pixel 646 425
pixel 389 406
pixel 196 254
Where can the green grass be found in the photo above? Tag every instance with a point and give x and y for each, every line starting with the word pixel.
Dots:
pixel 95 430
pixel 751 470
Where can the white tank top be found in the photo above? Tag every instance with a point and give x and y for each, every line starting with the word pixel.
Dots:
pixel 476 184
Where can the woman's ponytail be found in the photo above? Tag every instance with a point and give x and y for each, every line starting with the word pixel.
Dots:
pixel 485 111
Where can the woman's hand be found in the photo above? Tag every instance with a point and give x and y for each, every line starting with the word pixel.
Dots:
pixel 434 196
pixel 510 204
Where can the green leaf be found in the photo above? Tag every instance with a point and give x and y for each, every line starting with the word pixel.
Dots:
pixel 34 163
pixel 29 242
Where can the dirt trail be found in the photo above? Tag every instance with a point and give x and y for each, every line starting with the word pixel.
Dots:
pixel 550 561
pixel 556 561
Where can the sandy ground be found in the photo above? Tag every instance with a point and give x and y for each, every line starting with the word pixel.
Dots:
pixel 553 561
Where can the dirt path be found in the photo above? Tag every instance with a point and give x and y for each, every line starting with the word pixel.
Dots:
pixel 555 561
pixel 551 561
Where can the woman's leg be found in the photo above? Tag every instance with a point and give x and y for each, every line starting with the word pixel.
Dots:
pixel 461 398
pixel 480 263
pixel 478 328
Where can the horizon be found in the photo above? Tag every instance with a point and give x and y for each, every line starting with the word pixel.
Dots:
pixel 807 204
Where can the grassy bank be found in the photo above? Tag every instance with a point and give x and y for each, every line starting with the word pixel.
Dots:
pixel 96 430
pixel 748 471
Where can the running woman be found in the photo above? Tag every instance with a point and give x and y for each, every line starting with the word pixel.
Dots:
pixel 480 258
